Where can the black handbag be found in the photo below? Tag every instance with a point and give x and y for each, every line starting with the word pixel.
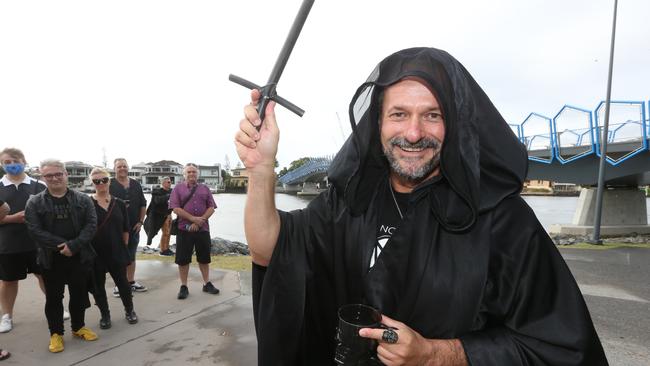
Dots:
pixel 174 229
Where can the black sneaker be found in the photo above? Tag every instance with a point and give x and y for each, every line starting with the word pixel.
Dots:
pixel 131 317
pixel 182 294
pixel 166 253
pixel 105 322
pixel 209 288
pixel 137 287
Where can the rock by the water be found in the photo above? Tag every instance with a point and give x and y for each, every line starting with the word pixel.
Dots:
pixel 219 246
pixel 566 239
pixel 147 250
pixel 225 247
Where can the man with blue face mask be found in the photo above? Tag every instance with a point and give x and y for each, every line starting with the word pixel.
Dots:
pixel 17 249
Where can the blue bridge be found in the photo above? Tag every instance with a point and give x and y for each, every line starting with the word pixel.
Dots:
pixel 314 170
pixel 309 179
pixel 566 148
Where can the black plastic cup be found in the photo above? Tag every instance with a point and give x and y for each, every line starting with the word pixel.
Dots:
pixel 352 349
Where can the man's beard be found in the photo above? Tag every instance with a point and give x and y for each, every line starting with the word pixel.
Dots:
pixel 410 172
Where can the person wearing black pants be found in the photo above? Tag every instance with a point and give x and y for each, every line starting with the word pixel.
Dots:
pixel 62 222
pixel 65 270
pixel 110 243
pixel 193 203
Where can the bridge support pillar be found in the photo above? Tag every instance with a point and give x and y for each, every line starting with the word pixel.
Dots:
pixel 624 213
pixel 310 189
pixel 291 188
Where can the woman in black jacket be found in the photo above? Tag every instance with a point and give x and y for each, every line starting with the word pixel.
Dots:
pixel 110 243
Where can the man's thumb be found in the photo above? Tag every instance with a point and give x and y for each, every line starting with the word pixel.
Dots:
pixel 269 117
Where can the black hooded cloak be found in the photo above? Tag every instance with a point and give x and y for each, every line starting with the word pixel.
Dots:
pixel 157 212
pixel 469 260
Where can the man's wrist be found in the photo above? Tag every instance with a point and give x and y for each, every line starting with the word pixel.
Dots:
pixel 446 352
pixel 262 172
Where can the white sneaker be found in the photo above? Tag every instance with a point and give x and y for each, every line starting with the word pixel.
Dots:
pixel 66 315
pixel 116 292
pixel 6 324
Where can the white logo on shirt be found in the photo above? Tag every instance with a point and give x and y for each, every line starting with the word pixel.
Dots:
pixel 385 234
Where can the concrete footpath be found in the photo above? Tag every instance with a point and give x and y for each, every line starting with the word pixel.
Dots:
pixel 200 330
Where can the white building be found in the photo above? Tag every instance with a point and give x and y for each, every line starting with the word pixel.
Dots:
pixel 210 175
pixel 78 172
pixel 160 169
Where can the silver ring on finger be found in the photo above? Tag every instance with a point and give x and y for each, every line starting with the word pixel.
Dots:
pixel 390 336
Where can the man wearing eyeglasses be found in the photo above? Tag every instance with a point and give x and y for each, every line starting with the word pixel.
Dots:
pixel 17 249
pixel 63 222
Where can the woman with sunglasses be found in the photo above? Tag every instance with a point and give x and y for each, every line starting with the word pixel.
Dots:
pixel 110 243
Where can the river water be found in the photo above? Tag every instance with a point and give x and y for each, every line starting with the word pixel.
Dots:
pixel 228 220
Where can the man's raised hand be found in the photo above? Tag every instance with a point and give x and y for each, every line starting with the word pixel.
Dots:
pixel 257 149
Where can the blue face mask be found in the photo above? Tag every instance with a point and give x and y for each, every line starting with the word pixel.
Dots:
pixel 14 169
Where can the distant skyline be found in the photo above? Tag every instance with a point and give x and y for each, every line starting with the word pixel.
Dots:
pixel 148 80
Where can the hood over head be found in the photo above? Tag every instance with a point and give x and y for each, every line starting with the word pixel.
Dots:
pixel 481 162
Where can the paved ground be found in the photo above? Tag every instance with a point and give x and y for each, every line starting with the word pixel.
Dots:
pixel 201 330
pixel 218 330
pixel 616 286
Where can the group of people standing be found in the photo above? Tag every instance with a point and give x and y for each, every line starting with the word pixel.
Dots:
pixel 65 237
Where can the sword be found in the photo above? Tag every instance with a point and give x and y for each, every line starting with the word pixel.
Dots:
pixel 268 92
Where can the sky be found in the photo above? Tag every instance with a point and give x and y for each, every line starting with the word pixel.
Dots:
pixel 148 80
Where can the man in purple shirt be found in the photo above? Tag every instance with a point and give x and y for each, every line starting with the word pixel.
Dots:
pixel 192 202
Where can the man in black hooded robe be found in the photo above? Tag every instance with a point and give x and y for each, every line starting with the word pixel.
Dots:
pixel 423 221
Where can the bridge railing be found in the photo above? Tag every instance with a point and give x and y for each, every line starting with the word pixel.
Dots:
pixel 627 130
pixel 311 167
pixel 573 128
pixel 573 134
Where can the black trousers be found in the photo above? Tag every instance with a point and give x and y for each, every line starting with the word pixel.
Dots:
pixel 118 273
pixel 65 270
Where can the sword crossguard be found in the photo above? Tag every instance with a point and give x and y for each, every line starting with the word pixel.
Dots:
pixel 268 94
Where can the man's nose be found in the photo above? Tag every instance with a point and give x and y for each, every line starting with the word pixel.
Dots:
pixel 414 131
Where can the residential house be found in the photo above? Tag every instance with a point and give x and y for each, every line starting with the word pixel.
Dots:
pixel 78 172
pixel 137 172
pixel 238 178
pixel 210 175
pixel 160 169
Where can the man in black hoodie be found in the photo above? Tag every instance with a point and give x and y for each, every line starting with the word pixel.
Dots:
pixel 424 222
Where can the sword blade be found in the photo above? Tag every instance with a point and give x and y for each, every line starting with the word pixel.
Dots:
pixel 292 37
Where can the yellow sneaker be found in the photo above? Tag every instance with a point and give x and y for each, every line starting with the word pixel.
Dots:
pixel 85 334
pixel 56 343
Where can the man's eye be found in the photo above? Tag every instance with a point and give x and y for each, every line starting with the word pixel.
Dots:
pixel 433 116
pixel 397 115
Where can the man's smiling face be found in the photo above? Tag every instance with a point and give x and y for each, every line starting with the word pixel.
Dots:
pixel 412 130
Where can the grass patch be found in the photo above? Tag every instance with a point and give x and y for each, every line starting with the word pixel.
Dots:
pixel 238 263
pixel 605 246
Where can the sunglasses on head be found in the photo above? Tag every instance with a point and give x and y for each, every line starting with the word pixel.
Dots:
pixel 100 181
